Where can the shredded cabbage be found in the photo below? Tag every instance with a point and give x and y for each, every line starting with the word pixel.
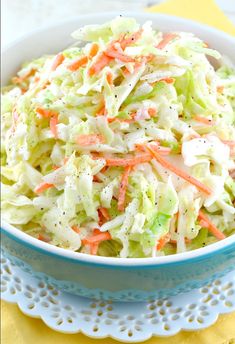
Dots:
pixel 74 122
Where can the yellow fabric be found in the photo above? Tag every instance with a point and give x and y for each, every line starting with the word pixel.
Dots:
pixel 19 329
pixel 203 11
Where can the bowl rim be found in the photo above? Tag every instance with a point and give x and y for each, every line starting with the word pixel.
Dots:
pixel 76 257
pixel 83 258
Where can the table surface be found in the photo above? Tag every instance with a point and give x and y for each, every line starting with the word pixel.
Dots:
pixel 20 17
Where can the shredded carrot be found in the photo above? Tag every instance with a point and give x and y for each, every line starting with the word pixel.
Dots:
pixel 46 113
pixel 203 224
pixel 57 61
pixel 123 188
pixel 125 71
pixel 96 231
pixel 131 120
pixel 152 112
pixel 163 241
pixel 104 169
pixel 97 238
pixel 166 39
pixel 15 117
pixel 44 237
pixel 65 160
pixel 110 78
pixel 93 246
pixel 45 84
pixel 204 120
pixel 102 61
pixel 94 50
pixel 231 144
pixel 78 63
pixel 210 226
pixel 179 172
pixel 76 229
pixel 53 126
pixel 155 146
pixel 55 167
pixel 113 53
pixel 96 179
pixel 168 80
pixel 105 213
pixel 125 41
pixel 139 159
pixel 94 249
pixel 90 139
pixel 20 79
pixel 43 187
pixel 220 89
pixel 186 240
pixel 194 136
pixel 36 79
pixel 102 111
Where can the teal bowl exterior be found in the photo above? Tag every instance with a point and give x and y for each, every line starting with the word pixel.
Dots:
pixel 118 282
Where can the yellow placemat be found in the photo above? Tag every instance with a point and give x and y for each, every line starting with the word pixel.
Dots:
pixel 17 328
pixel 203 11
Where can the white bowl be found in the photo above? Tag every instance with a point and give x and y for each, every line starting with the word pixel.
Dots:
pixel 162 276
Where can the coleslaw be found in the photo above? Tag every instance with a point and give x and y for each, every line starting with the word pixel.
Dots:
pixel 122 145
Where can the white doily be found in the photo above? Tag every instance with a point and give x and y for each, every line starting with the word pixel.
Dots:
pixel 129 322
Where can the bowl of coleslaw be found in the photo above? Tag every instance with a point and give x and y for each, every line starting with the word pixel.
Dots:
pixel 118 155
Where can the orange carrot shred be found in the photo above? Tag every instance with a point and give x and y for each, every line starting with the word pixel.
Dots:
pixel 186 240
pixel 94 50
pixel 110 78
pixel 96 179
pixel 102 110
pixel 20 79
pixel 204 120
pixel 163 241
pixel 44 237
pixel 89 139
pixel 168 80
pixel 113 53
pixel 102 61
pixel 78 63
pixel 152 112
pixel 179 172
pixel 125 41
pixel 230 143
pixel 94 249
pixel 166 39
pixel 104 212
pixel 220 89
pixel 46 113
pixel 123 188
pixel 210 226
pixel 65 160
pixel 53 126
pixel 76 229
pixel 97 238
pixel 139 159
pixel 57 61
pixel 43 187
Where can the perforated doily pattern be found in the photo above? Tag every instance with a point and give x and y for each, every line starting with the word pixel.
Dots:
pixel 130 322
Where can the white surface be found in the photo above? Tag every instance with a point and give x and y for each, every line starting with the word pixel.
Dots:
pixel 22 16
pixel 128 322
